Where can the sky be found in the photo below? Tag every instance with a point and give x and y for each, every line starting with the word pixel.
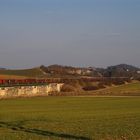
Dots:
pixel 79 33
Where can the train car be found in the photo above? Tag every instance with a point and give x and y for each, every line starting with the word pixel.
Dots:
pixel 4 81
pixel 1 81
pixel 10 82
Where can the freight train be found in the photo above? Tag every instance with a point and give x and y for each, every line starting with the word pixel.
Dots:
pixel 22 81
pixel 11 82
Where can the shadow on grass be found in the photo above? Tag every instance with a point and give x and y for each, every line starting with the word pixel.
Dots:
pixel 41 132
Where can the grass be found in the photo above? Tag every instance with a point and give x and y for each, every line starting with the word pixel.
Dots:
pixel 125 89
pixel 12 77
pixel 35 72
pixel 77 118
pixel 128 87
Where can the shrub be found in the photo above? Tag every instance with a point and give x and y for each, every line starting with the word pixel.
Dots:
pixel 89 88
pixel 101 85
pixel 67 88
pixel 118 82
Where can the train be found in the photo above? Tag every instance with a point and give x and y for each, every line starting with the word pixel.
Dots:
pixel 11 82
pixel 22 81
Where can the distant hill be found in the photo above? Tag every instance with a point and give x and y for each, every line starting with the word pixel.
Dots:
pixel 2 69
pixel 122 70
pixel 68 70
pixel 58 71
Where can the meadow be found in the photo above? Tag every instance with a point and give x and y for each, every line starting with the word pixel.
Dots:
pixel 76 118
pixel 129 89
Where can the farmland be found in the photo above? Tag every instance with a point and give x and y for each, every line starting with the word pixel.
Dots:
pixel 84 118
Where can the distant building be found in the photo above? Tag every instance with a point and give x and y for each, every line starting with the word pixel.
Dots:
pixel 138 72
pixel 127 70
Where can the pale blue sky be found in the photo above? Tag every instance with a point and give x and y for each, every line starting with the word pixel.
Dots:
pixel 69 32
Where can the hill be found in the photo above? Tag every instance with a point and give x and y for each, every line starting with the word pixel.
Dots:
pixel 129 89
pixel 34 72
pixel 2 68
pixel 53 71
pixel 122 70
pixel 58 71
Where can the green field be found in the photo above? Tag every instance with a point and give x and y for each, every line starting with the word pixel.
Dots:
pixel 84 118
pixel 125 89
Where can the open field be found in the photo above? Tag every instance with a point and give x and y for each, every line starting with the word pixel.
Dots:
pixel 54 118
